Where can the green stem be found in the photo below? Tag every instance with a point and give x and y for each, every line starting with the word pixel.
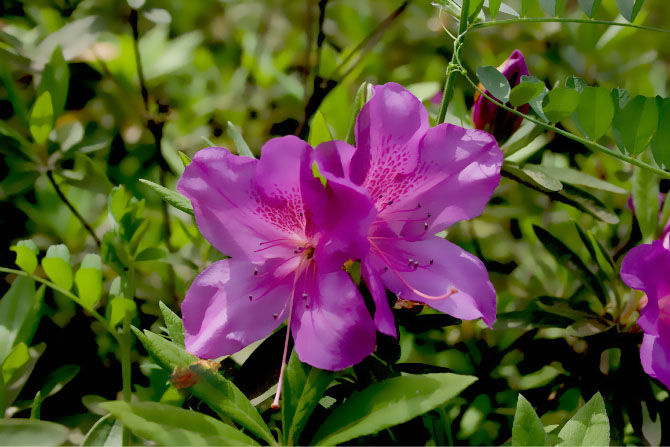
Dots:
pixel 588 143
pixel 68 294
pixel 448 91
pixel 126 363
pixel 479 25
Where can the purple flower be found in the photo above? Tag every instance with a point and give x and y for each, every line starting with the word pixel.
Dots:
pixel 488 116
pixel 421 180
pixel 646 268
pixel 287 236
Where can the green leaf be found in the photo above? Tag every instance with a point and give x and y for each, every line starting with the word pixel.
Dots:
pixel 174 325
pixel 15 308
pixel 588 427
pixel 528 89
pixel 589 6
pixel 171 197
pixel 26 255
pixel 32 432
pixel 169 425
pixel 571 261
pixel 494 6
pixel 319 132
pixel 107 431
pixel 304 386
pixel 560 103
pixel 576 83
pixel 22 373
pixel 597 251
pixel 35 408
pixel 55 80
pixel 660 145
pixel 595 112
pixel 473 9
pixel 645 199
pixel 56 265
pixel 88 280
pixel 525 6
pixel 15 361
pixel 362 96
pixel 635 124
pixel 241 145
pixel 119 307
pixel 215 390
pixel 151 254
pixel 184 158
pixel 549 7
pixel 68 136
pixel 42 118
pixel 387 403
pixel 577 177
pixel 494 82
pixel 534 175
pixel 527 429
pixel 629 8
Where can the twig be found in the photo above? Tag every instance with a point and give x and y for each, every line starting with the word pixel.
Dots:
pixel 79 217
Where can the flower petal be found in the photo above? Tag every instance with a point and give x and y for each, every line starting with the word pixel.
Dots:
pixel 645 268
pixel 383 317
pixel 655 359
pixel 458 171
pixel 229 210
pixel 219 318
pixel 334 157
pixel 436 267
pixel 336 330
pixel 388 130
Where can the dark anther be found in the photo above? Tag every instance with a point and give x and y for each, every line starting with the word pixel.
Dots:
pixel 275 316
pixel 419 205
pixel 255 271
pixel 429 214
pixel 250 297
pixel 411 261
pixel 381 195
pixel 431 261
pixel 416 265
pixel 300 214
pixel 304 296
pixel 390 202
pixel 306 305
pixel 425 225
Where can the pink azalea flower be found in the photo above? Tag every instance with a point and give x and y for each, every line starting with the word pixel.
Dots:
pixel 287 236
pixel 488 116
pixel 421 180
pixel 647 268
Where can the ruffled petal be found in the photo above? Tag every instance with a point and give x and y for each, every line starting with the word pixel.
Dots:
pixel 230 211
pixel 334 157
pixel 458 172
pixel 655 358
pixel 388 130
pixel 331 326
pixel 220 319
pixel 436 267
pixel 646 268
pixel 383 317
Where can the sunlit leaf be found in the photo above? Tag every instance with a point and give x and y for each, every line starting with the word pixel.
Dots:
pixel 55 80
pixel 241 145
pixel 26 255
pixel 319 132
pixel 588 427
pixel 56 265
pixel 559 104
pixel 88 280
pixel 595 112
pixel 527 430
pixel 42 118
pixel 635 124
pixel 494 6
pixel 173 323
pixel 119 307
pixel 528 89
pixel 171 197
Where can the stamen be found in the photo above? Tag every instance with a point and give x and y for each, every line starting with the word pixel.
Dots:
pixel 275 315
pixel 255 271
pixel 450 291
pixel 251 297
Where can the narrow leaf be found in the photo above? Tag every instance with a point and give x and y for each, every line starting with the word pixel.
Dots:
pixel 589 6
pixel 549 7
pixel 660 145
pixel 494 6
pixel 361 98
pixel 645 200
pixel 171 197
pixel 107 431
pixel 241 145
pixel 527 429
pixel 629 8
pixel 577 177
pixel 494 82
pixel 388 403
pixel 42 118
pixel 55 80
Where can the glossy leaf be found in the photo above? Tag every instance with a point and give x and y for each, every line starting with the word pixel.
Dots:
pixel 32 432
pixel 169 425
pixel 56 265
pixel 388 403
pixel 527 90
pixel 241 145
pixel 590 7
pixel 595 112
pixel 629 8
pixel 215 390
pixel 107 431
pixel 588 427
pixel 42 118
pixel 89 280
pixel 171 197
pixel 494 82
pixel 304 386
pixel 26 255
pixel 660 145
pixel 527 430
pixel 173 323
pixel 635 124
pixel 559 104
pixel 570 260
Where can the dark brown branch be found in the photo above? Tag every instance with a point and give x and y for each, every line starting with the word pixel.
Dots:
pixel 79 217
